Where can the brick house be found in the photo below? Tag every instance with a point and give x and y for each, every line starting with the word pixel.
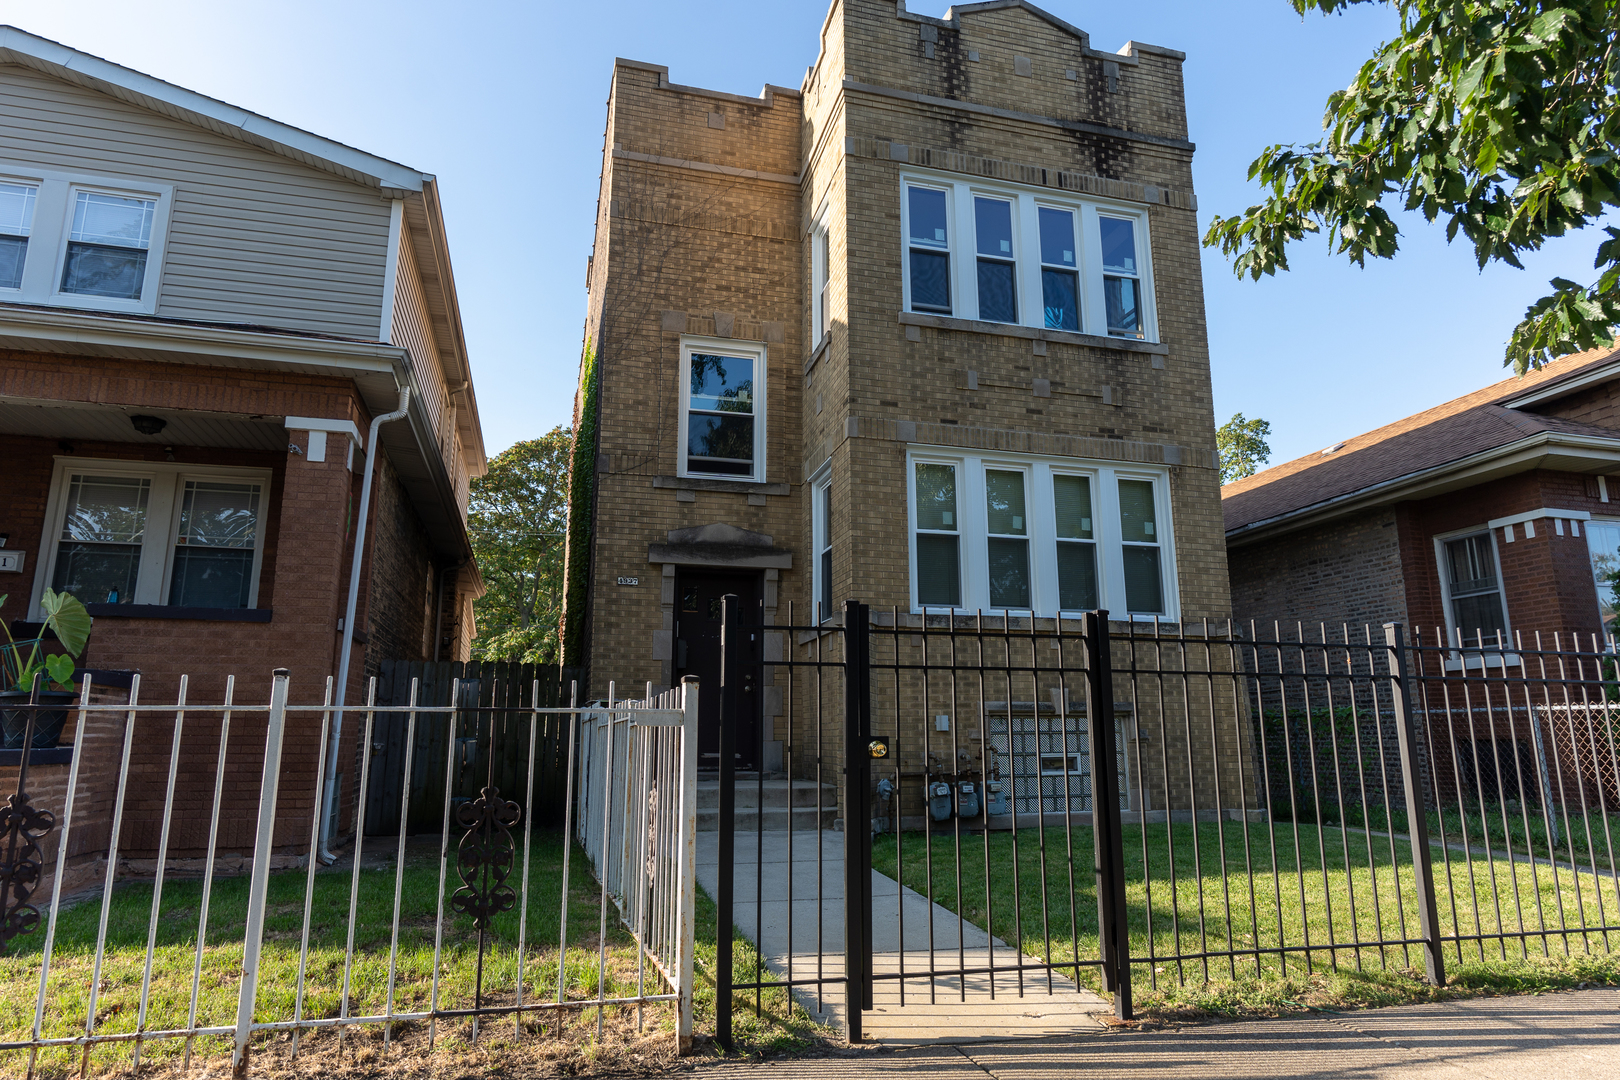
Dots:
pixel 927 331
pixel 201 312
pixel 1496 512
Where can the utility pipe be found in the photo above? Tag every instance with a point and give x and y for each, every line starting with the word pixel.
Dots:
pixel 329 797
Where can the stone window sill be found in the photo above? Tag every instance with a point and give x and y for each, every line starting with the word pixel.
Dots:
pixel 742 487
pixel 816 353
pixel 166 611
pixel 973 326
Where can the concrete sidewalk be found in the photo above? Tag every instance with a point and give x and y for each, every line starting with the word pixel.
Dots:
pixel 798 935
pixel 1566 1036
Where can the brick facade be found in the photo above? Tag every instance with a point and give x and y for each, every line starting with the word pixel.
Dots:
pixel 704 226
pixel 307 531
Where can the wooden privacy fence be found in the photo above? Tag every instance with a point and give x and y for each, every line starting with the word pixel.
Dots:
pixel 489 721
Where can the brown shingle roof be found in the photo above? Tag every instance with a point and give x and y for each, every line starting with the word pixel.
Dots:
pixel 1450 432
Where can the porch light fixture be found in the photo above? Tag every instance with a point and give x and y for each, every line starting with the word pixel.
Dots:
pixel 148 425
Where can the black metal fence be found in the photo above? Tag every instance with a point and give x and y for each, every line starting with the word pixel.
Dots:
pixel 1066 807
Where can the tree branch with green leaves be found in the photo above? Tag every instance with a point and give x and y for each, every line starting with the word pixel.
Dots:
pixel 1494 116
pixel 1242 446
pixel 518 520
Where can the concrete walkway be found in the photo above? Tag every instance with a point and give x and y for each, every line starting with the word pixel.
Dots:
pixel 1567 1036
pixel 777 908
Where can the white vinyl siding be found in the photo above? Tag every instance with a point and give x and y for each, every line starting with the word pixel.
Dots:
pixel 252 237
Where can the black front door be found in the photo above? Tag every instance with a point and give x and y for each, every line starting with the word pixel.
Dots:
pixel 698 596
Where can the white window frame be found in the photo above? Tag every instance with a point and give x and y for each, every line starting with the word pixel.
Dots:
pixel 973 534
pixel 959 195
pixel 53 225
pixel 754 350
pixel 820 543
pixel 162 518
pixel 1014 259
pixel 1456 659
pixel 820 277
pixel 953 227
pixel 1595 520
pixel 33 228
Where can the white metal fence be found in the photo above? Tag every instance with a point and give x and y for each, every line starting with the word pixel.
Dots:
pixel 637 821
pixel 482 965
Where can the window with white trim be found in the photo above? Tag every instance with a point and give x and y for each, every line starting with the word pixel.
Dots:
pixel 820 276
pixel 1122 284
pixel 1038 258
pixel 108 245
pixel 1472 577
pixel 17 203
pixel 82 242
pixel 998 266
pixel 1603 544
pixel 1060 274
pixel 722 409
pixel 156 534
pixel 928 234
pixel 1045 535
pixel 821 531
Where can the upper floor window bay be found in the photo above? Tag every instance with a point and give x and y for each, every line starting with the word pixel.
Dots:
pixel 722 420
pixel 81 242
pixel 1032 258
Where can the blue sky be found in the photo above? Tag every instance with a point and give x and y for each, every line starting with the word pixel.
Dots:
pixel 505 103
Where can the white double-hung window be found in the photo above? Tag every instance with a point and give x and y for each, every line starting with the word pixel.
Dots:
pixel 1041 535
pixel 146 533
pixel 83 242
pixel 1038 258
pixel 16 223
pixel 820 277
pixel 722 409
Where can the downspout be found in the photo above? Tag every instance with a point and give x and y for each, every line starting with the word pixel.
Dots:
pixel 329 797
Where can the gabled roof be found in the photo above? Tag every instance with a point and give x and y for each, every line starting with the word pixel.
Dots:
pixel 57 60
pixel 1427 446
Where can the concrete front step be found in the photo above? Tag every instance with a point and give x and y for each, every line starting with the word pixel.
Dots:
pixel 776 794
pixel 752 819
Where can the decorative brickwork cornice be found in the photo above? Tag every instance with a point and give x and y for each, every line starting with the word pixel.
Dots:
pixel 1014 172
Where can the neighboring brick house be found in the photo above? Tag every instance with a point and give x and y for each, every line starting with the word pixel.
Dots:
pixel 960 261
pixel 201 311
pixel 1491 513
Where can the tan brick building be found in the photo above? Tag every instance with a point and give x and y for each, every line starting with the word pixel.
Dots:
pixel 201 312
pixel 927 331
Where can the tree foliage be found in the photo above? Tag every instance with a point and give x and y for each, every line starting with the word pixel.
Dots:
pixel 1494 115
pixel 1242 446
pixel 518 517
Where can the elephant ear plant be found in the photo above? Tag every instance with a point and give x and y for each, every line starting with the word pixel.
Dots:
pixel 22 661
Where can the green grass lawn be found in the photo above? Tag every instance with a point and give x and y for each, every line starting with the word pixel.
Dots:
pixel 1583 839
pixel 1323 891
pixel 778 1025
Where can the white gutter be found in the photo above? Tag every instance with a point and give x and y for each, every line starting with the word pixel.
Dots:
pixel 329 796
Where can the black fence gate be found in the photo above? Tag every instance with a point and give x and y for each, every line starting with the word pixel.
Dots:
pixel 1038 806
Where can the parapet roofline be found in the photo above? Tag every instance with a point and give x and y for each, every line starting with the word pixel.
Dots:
pixel 70 65
pixel 953 21
pixel 767 96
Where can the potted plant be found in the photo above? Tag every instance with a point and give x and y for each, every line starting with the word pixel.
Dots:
pixel 21 661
